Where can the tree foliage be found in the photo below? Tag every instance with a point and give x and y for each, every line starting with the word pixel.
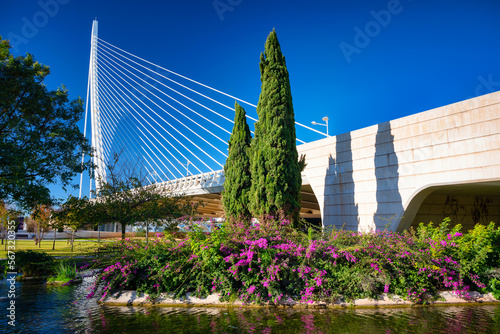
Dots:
pixel 40 142
pixel 39 222
pixel 7 214
pixel 276 171
pixel 125 197
pixel 237 170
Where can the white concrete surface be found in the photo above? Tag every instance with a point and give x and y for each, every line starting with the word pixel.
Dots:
pixel 380 175
pixel 133 298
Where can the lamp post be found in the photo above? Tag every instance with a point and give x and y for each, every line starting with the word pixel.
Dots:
pixel 187 168
pixel 326 124
pixel 155 175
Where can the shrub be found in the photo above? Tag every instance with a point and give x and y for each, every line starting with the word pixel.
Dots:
pixel 270 262
pixel 477 251
pixel 34 264
pixel 141 233
pixel 64 272
pixel 4 268
pixel 494 282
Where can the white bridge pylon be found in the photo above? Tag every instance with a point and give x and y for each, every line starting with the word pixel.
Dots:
pixel 166 123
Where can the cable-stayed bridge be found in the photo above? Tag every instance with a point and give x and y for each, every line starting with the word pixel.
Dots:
pixel 393 174
pixel 172 127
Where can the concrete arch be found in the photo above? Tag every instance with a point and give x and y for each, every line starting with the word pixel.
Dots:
pixel 484 189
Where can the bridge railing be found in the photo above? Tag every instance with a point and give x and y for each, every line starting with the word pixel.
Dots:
pixel 205 180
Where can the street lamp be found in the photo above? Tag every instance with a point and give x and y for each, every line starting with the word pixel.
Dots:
pixel 187 167
pixel 326 124
pixel 155 175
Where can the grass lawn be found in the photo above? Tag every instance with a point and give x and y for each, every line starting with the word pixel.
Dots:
pixel 63 248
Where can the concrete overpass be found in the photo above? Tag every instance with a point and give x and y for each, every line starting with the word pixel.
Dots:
pixel 441 162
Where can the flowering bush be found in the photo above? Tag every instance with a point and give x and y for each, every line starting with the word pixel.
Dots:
pixel 274 262
pixel 477 251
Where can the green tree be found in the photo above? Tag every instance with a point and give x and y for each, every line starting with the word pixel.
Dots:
pixel 238 181
pixel 4 222
pixel 125 197
pixel 73 213
pixel 40 221
pixel 55 224
pixel 276 170
pixel 40 142
pixel 6 214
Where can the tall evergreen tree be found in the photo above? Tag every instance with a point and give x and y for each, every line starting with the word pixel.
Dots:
pixel 237 170
pixel 276 178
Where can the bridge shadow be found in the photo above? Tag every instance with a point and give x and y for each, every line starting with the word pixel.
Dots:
pixel 389 203
pixel 340 208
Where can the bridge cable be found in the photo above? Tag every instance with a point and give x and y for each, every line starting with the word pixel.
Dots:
pixel 133 143
pixel 208 155
pixel 85 126
pixel 159 133
pixel 110 109
pixel 187 97
pixel 223 141
pixel 135 128
pixel 151 135
pixel 199 83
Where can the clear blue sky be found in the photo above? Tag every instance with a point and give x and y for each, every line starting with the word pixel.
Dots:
pixel 358 62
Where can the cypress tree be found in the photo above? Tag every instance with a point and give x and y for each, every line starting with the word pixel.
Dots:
pixel 237 170
pixel 276 178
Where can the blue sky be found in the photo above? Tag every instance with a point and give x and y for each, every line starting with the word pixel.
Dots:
pixel 358 62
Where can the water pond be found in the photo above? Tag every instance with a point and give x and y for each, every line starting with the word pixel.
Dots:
pixel 46 309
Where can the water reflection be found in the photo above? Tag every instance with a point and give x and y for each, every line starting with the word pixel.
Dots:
pixel 457 320
pixel 42 309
